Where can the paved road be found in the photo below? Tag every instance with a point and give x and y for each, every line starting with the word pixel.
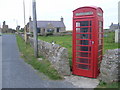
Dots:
pixel 17 74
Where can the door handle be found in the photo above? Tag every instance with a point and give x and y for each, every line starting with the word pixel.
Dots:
pixel 93 42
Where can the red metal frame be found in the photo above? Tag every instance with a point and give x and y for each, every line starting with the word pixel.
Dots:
pixel 87 41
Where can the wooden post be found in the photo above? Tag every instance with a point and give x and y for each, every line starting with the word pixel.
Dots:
pixel 35 29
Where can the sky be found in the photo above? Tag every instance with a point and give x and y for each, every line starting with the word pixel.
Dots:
pixel 11 11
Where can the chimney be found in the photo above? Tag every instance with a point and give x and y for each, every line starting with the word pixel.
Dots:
pixel 30 19
pixel 4 23
pixel 62 19
pixel 111 23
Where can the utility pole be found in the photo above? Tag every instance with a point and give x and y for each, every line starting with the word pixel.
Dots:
pixel 25 32
pixel 35 29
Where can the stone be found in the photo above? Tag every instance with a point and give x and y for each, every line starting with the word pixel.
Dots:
pixel 40 59
pixel 110 66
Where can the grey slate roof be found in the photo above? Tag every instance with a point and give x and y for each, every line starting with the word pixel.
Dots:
pixel 114 25
pixel 44 24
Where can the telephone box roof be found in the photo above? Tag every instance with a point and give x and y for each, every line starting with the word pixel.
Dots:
pixel 93 7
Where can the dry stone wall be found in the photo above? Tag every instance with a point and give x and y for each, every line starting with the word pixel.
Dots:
pixel 110 66
pixel 57 55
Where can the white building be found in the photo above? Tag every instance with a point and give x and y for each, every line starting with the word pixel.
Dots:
pixel 117 32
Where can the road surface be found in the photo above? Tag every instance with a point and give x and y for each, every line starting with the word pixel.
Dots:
pixel 17 74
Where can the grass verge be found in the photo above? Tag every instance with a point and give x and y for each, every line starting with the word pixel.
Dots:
pixel 43 66
pixel 110 85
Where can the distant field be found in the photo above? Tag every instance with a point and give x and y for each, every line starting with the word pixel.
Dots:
pixel 66 41
pixel 109 41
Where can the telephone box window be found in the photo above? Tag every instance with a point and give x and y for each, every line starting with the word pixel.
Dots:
pixel 90 29
pixel 82 54
pixel 82 60
pixel 99 59
pixel 90 23
pixel 84 23
pixel 99 53
pixel 100 47
pixel 83 48
pixel 77 24
pixel 82 66
pixel 83 30
pixel 82 42
pixel 82 36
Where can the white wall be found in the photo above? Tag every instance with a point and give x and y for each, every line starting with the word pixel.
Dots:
pixel 117 38
pixel 119 12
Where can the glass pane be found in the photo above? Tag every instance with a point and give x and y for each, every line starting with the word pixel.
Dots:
pixel 99 63
pixel 84 23
pixel 77 24
pixel 82 48
pixel 99 47
pixel 99 53
pixel 81 30
pixel 82 36
pixel 100 42
pixel 82 66
pixel 90 23
pixel 100 23
pixel 82 54
pixel 90 29
pixel 82 60
pixel 82 42
pixel 100 59
pixel 100 29
pixel 100 36
pixel 77 30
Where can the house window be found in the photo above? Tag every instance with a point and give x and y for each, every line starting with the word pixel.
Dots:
pixel 50 30
pixel 38 30
pixel 58 29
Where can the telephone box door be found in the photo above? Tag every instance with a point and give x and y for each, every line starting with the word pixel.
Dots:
pixel 83 47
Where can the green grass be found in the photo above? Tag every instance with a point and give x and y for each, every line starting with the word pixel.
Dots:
pixel 43 66
pixel 66 41
pixel 109 42
pixel 110 85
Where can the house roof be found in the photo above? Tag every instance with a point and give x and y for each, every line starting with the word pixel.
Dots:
pixel 44 24
pixel 114 25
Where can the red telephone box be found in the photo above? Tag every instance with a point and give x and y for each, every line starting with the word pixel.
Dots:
pixel 87 41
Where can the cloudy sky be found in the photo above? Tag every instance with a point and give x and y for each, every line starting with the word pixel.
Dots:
pixel 11 11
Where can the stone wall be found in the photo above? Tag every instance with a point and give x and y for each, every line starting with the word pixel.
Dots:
pixel 110 66
pixel 57 55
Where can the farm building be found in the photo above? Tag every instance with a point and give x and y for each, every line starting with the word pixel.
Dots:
pixel 45 27
pixel 114 27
